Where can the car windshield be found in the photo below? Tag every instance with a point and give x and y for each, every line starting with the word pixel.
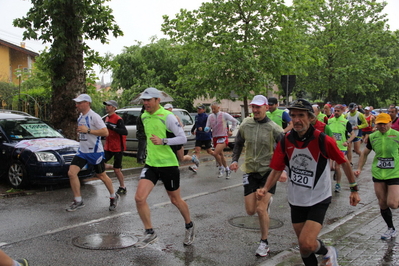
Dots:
pixel 28 129
pixel 185 117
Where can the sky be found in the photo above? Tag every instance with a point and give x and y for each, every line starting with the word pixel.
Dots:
pixel 139 20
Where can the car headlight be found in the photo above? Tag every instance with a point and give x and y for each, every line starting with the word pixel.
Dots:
pixel 46 157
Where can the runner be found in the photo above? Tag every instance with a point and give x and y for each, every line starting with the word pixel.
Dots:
pixel 306 153
pixel 385 169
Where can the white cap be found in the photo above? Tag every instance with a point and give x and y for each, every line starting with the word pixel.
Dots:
pixel 259 100
pixel 83 98
pixel 168 106
pixel 367 108
pixel 150 93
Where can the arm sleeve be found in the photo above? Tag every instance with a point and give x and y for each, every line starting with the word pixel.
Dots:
pixel 120 127
pixel 363 121
pixel 228 117
pixel 238 146
pixel 174 126
pixel 208 121
pixel 349 127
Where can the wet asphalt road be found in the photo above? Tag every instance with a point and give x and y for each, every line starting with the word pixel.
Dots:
pixel 37 226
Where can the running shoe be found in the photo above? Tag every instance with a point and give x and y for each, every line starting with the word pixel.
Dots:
pixel 23 262
pixel 75 205
pixel 195 160
pixel 190 235
pixel 390 233
pixel 337 188
pixel 331 258
pixel 263 249
pixel 228 173
pixel 221 172
pixel 146 240
pixel 193 168
pixel 121 191
pixel 113 202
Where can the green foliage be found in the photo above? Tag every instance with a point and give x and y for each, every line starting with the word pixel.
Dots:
pixel 346 39
pixel 152 65
pixel 66 24
pixel 240 46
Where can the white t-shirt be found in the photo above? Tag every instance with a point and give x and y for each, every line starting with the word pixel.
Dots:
pixel 90 143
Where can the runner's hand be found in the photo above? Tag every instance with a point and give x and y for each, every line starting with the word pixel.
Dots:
pixel 354 198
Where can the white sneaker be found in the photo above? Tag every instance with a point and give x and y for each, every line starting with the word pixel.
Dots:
pixel 228 173
pixel 390 233
pixel 193 168
pixel 221 172
pixel 331 258
pixel 263 249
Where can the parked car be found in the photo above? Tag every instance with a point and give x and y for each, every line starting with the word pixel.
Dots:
pixel 34 153
pixel 130 114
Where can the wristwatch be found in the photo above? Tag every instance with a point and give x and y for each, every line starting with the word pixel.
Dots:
pixel 88 131
pixel 165 141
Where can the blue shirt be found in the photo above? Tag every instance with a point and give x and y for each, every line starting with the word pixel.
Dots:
pixel 200 121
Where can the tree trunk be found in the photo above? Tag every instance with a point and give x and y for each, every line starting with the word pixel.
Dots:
pixel 69 76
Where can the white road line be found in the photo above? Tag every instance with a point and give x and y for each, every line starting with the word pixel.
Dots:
pixel 113 216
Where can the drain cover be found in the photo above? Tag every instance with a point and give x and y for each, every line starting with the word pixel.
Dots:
pixel 104 241
pixel 252 222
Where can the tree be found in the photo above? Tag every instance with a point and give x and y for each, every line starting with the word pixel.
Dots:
pixel 235 46
pixel 345 38
pixel 153 65
pixel 67 24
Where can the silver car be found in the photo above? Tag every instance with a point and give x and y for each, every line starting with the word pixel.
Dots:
pixel 130 115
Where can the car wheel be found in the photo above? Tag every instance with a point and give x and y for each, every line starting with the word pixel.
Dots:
pixel 17 176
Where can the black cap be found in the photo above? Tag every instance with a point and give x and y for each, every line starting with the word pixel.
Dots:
pixel 201 106
pixel 272 100
pixel 301 104
pixel 352 106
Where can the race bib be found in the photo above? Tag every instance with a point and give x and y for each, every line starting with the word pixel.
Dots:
pixel 301 177
pixel 386 163
pixel 221 140
pixel 337 136
pixel 245 179
pixel 82 136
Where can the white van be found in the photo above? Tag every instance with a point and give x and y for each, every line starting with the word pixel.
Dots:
pixel 130 115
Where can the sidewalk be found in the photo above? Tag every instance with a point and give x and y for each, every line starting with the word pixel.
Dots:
pixel 357 240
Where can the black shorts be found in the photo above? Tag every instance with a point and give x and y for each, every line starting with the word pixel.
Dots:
pixel 253 181
pixel 206 144
pixel 170 176
pixel 388 182
pixel 80 162
pixel 315 213
pixel 117 158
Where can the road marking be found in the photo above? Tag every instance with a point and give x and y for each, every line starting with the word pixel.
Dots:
pixel 64 228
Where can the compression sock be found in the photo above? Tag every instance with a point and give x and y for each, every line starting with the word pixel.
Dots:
pixel 149 231
pixel 387 216
pixel 321 248
pixel 189 225
pixel 311 260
